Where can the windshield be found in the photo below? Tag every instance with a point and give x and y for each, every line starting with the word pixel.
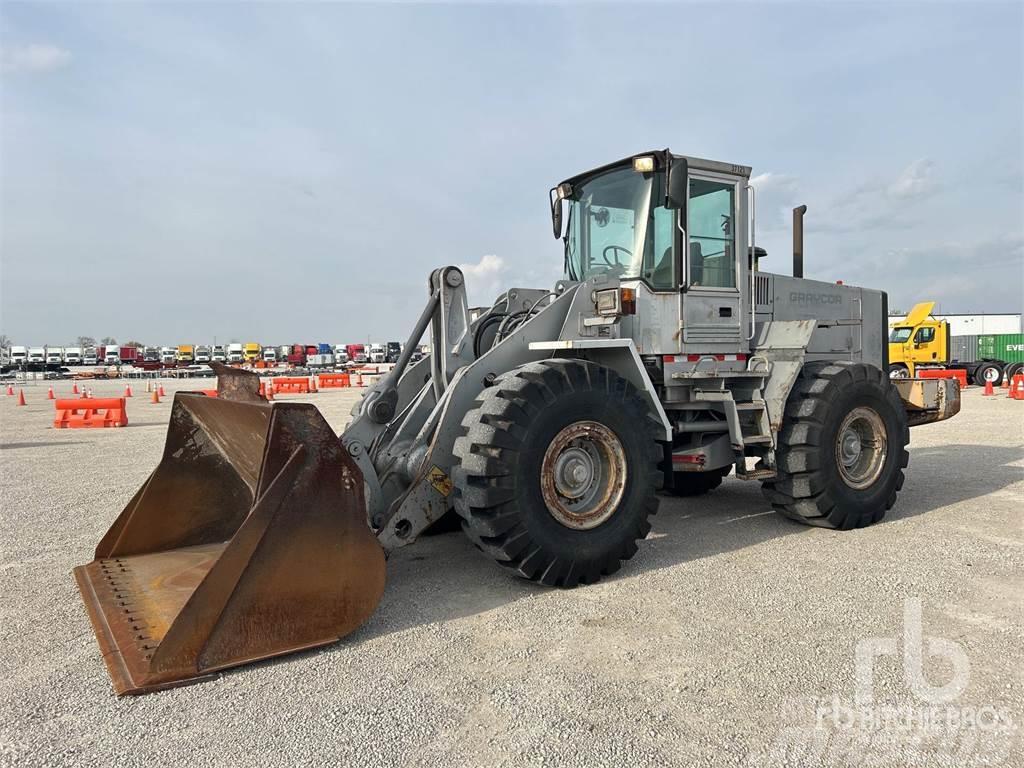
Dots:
pixel 900 335
pixel 618 225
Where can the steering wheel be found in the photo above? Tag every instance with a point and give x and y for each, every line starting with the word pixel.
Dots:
pixel 614 249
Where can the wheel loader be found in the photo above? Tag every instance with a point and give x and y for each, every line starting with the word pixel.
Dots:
pixel 662 361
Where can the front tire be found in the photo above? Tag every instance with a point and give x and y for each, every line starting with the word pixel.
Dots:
pixel 842 448
pixel 558 471
pixel 898 371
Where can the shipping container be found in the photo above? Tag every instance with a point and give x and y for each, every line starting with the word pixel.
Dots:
pixel 964 349
pixel 1008 347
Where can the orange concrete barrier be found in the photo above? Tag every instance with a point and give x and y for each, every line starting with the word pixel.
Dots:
pixel 290 384
pixel 333 380
pixel 941 373
pixel 90 412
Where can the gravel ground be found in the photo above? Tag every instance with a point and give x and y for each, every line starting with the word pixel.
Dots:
pixel 718 644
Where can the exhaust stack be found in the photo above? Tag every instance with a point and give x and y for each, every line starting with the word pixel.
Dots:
pixel 798 240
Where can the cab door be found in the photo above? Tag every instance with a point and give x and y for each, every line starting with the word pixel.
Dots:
pixel 924 347
pixel 716 235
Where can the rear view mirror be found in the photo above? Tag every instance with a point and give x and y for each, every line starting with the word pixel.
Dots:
pixel 678 189
pixel 556 195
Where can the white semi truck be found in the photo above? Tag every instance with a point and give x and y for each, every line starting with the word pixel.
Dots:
pixel 236 353
pixel 54 355
pixel 72 355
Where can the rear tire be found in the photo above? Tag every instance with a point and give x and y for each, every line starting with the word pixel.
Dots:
pixel 1012 370
pixel 988 372
pixel 842 448
pixel 558 471
pixel 697 483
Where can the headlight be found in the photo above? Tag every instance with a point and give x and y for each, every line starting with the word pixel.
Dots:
pixel 607 302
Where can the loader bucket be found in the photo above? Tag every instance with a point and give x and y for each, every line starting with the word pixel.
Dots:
pixel 249 540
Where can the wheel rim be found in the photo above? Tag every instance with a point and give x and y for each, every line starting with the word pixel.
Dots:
pixel 991 374
pixel 861 448
pixel 583 475
pixel 898 373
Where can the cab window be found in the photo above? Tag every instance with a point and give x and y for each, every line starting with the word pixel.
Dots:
pixel 712 233
pixel 900 335
pixel 924 335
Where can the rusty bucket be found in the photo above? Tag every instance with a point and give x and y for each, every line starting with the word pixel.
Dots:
pixel 249 540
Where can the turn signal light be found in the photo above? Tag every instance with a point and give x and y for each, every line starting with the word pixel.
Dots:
pixel 627 300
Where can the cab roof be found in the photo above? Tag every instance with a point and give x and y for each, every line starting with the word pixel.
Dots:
pixel 662 156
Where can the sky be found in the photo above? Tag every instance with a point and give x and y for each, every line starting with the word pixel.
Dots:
pixel 282 172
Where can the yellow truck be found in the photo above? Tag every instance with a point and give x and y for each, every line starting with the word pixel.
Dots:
pixel 185 353
pixel 921 341
pixel 252 352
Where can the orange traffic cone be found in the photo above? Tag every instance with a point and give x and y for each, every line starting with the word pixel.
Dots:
pixel 10 389
pixel 161 391
pixel 128 390
pixel 989 391
pixel 1006 382
pixel 74 388
pixel 49 394
pixel 312 385
pixel 88 393
pixel 156 396
pixel 21 397
pixel 1017 388
pixel 270 394
pixel 149 386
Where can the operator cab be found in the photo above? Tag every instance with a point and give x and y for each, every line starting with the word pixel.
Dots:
pixel 626 219
pixel 664 223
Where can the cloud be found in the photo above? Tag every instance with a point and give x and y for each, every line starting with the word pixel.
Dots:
pixel 988 273
pixel 879 204
pixel 485 279
pixel 773 182
pixel 776 196
pixel 37 57
pixel 914 182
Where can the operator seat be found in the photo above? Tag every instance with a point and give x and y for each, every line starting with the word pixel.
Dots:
pixel 696 264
